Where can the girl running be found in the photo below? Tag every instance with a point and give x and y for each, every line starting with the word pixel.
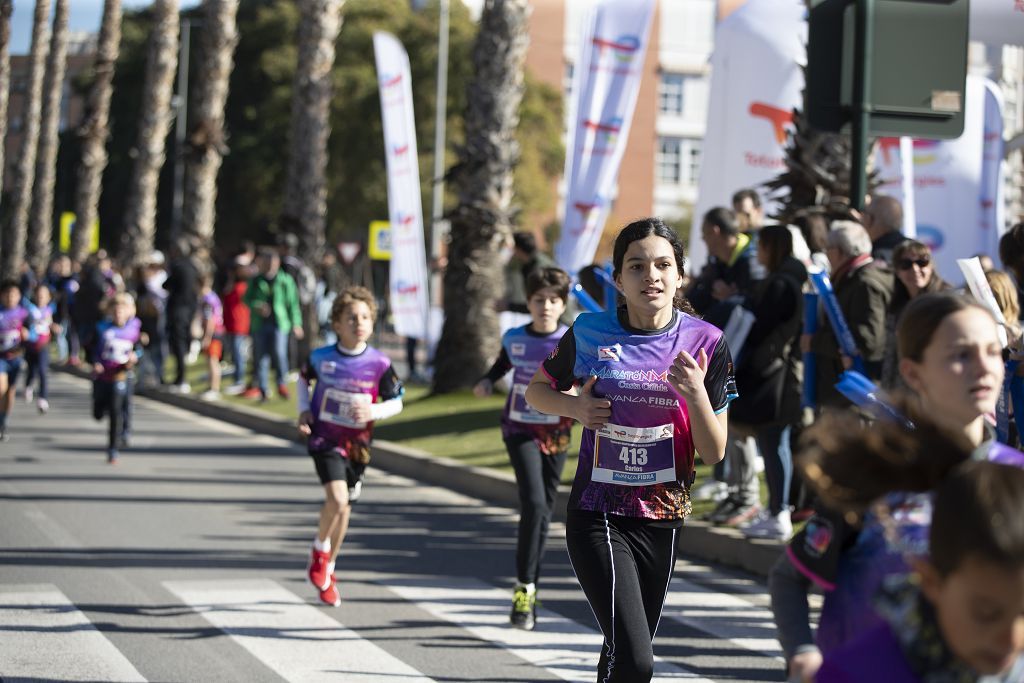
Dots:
pixel 537 444
pixel 115 352
pixel 13 332
pixel 37 348
pixel 654 386
pixel 951 358
pixel 338 418
pixel 962 615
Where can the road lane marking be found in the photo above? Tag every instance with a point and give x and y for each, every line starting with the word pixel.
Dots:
pixel 293 638
pixel 45 637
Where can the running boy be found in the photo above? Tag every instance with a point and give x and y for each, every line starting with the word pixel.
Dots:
pixel 37 348
pixel 213 336
pixel 537 444
pixel 13 332
pixel 348 378
pixel 114 354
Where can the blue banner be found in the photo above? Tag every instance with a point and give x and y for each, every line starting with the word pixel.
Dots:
pixel 810 393
pixel 844 336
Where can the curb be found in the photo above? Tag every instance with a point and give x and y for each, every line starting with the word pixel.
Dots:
pixel 699 541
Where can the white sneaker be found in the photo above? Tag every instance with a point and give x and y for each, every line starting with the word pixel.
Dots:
pixel 29 393
pixel 711 490
pixel 355 492
pixel 209 395
pixel 183 388
pixel 43 405
pixel 234 389
pixel 774 527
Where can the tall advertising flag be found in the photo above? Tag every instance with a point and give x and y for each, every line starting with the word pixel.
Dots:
pixel 606 82
pixel 405 209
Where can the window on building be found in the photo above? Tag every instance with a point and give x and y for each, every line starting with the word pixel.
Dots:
pixel 677 161
pixel 670 93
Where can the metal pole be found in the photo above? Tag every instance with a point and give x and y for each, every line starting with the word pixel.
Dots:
pixel 440 115
pixel 181 115
pixel 865 10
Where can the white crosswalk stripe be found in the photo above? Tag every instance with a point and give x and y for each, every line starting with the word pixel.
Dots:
pixel 295 639
pixel 561 646
pixel 45 637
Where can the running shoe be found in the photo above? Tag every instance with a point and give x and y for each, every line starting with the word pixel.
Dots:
pixel 330 595
pixel 252 392
pixel 774 527
pixel 318 575
pixel 29 395
pixel 724 510
pixel 711 490
pixel 355 491
pixel 235 389
pixel 743 513
pixel 209 395
pixel 112 456
pixel 43 406
pixel 524 609
pixel 282 390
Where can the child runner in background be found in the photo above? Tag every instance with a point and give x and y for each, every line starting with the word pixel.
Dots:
pixel 951 358
pixel 961 614
pixel 213 335
pixel 537 443
pixel 656 385
pixel 115 352
pixel 37 347
pixel 13 332
pixel 348 378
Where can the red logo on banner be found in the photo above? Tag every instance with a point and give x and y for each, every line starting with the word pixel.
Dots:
pixel 623 47
pixel 388 81
pixel 779 118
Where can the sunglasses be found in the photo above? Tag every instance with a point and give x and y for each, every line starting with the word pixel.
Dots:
pixel 907 263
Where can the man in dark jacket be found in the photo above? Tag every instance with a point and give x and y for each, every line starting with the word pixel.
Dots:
pixel 182 287
pixel 727 280
pixel 863 290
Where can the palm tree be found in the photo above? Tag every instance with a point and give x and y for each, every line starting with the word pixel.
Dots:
pixel 154 123
pixel 6 9
pixel 481 224
pixel 305 200
pixel 206 140
pixel 40 229
pixel 95 130
pixel 24 174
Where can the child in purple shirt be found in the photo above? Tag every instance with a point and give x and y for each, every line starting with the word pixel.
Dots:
pixel 537 444
pixel 13 333
pixel 115 352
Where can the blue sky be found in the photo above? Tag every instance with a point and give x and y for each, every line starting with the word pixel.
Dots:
pixel 85 16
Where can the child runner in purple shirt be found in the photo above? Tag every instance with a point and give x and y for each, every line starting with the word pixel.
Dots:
pixel 537 443
pixel 13 333
pixel 37 347
pixel 115 352
pixel 656 385
pixel 348 378
pixel 960 614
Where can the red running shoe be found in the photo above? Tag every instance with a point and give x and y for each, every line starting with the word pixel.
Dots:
pixel 252 392
pixel 330 595
pixel 282 390
pixel 318 575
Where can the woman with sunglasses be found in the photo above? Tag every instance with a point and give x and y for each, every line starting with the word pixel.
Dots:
pixel 915 275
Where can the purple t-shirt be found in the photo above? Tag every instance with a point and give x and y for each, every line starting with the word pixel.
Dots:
pixel 115 345
pixel 341 381
pixel 12 321
pixel 213 310
pixel 640 464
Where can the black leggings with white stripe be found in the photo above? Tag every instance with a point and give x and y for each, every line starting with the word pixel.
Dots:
pixel 624 566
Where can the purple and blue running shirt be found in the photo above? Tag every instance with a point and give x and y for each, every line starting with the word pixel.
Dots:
pixel 523 350
pixel 341 381
pixel 640 464
pixel 115 345
pixel 850 564
pixel 213 310
pixel 41 322
pixel 12 321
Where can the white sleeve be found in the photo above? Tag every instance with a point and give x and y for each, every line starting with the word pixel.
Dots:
pixel 302 395
pixel 386 409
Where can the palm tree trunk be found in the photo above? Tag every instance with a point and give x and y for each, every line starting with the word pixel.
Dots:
pixel 305 201
pixel 24 173
pixel 95 130
pixel 481 224
pixel 154 123
pixel 206 140
pixel 6 9
pixel 40 228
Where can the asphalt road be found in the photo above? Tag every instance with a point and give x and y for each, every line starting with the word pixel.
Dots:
pixel 186 562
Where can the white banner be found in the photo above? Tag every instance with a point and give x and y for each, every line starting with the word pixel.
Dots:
pixel 756 82
pixel 606 82
pixel 405 209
